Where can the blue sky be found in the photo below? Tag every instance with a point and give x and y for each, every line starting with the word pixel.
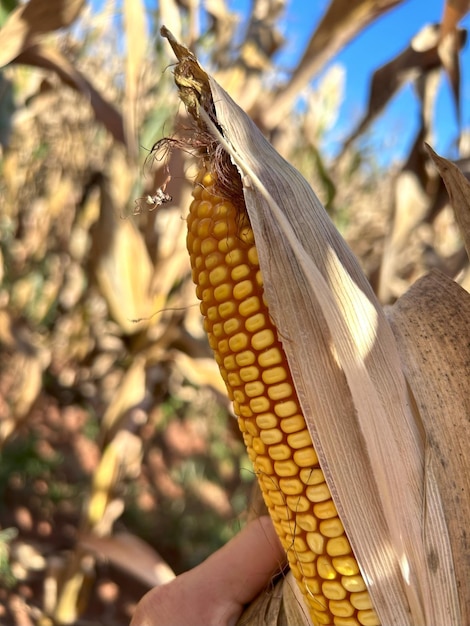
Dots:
pixel 393 133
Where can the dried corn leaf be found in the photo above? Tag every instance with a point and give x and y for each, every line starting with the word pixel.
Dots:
pixel 224 23
pixel 200 371
pixel 458 189
pixel 411 206
pixel 342 21
pixel 34 18
pixel 432 326
pixel 74 589
pixel 346 368
pixel 21 374
pixel 121 457
pixel 136 44
pixel 454 11
pixel 130 554
pixel 170 14
pixel 419 58
pixel 122 266
pixel 48 58
pixel 130 394
pixel 21 385
pixel 448 50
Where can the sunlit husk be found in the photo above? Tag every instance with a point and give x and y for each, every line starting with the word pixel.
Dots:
pixel 347 371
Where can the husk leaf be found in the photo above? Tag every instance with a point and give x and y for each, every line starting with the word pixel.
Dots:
pixel 432 327
pixel 346 367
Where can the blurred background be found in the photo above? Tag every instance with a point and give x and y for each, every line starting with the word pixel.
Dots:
pixel 120 460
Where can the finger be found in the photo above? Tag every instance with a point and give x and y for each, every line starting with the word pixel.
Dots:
pixel 243 567
pixel 215 592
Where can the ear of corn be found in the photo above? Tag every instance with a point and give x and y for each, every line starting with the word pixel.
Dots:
pixel 253 364
pixel 397 504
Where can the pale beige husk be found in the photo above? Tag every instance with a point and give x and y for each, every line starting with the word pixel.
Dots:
pixel 361 389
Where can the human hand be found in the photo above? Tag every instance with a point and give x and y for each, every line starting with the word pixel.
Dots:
pixel 214 593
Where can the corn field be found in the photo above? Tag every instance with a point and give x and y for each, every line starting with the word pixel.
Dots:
pixel 121 463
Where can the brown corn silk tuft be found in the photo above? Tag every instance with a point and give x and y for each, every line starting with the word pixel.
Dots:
pixel 225 269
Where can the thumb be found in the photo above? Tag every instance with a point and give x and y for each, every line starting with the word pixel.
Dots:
pixel 215 592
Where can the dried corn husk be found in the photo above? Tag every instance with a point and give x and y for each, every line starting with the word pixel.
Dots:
pixel 369 432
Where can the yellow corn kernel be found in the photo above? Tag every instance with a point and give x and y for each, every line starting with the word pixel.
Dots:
pixel 283 513
pixel 249 307
pixel 229 362
pixel 325 568
pixel 218 275
pixel 243 289
pixel 228 245
pixel 258 446
pixel 333 590
pixel 297 543
pixel 255 322
pixel 240 272
pixel 274 375
pixel 249 374
pixel 297 504
pixel 322 617
pixel 292 424
pixel 222 292
pixel 332 528
pixel 317 493
pixel 233 257
pixel 245 358
pixel 305 457
pixel 341 608
pixel 361 601
pixel 282 452
pixel 339 546
pixel 308 521
pixel 316 542
pixel 225 309
pixel 233 379
pixel 280 392
pixel 307 557
pixel 263 464
pixel 290 486
pixel 346 565
pixel 287 528
pixel 278 498
pixel 300 439
pixel 309 571
pixel 260 405
pixel 271 436
pixel 284 467
pixel 231 326
pixel 238 342
pixel 346 621
pixel 311 476
pixel 368 618
pixel 267 421
pixel 271 357
pixel 229 283
pixel 354 584
pixel 325 510
pixel 262 339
